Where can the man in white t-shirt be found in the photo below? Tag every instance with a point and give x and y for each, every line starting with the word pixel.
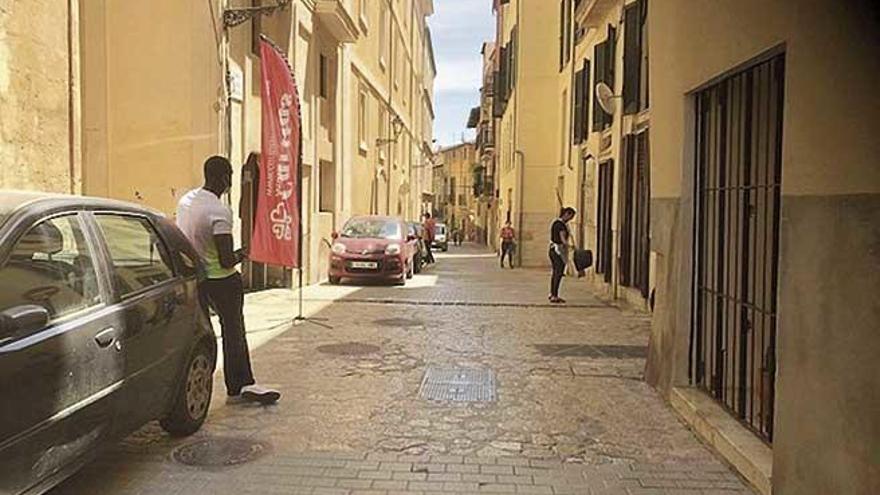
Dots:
pixel 207 222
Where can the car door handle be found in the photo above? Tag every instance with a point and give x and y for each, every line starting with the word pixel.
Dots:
pixel 106 337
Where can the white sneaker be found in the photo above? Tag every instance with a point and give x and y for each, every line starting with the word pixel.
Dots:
pixel 263 395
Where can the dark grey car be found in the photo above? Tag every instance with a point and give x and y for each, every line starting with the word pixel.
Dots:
pixel 101 331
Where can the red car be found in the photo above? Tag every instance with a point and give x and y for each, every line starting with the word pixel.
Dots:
pixel 373 248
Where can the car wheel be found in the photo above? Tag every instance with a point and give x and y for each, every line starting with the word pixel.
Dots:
pixel 193 396
pixel 334 280
pixel 445 248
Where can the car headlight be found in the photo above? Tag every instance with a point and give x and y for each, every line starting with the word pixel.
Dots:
pixel 392 249
pixel 338 248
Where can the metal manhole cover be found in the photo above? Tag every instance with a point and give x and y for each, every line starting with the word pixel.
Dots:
pixel 458 384
pixel 349 349
pixel 593 351
pixel 219 453
pixel 398 322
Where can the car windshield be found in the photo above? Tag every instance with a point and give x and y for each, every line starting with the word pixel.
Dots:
pixel 441 229
pixel 372 228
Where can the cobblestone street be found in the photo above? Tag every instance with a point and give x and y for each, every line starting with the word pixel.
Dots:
pixel 570 413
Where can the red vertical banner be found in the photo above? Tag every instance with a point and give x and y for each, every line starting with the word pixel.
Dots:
pixel 276 236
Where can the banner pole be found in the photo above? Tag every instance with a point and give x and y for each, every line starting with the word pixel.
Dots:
pixel 300 317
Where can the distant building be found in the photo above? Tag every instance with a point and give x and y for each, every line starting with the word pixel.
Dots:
pixel 482 120
pixel 459 206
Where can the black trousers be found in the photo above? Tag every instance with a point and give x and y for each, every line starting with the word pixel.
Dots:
pixel 226 297
pixel 430 252
pixel 507 248
pixel 558 272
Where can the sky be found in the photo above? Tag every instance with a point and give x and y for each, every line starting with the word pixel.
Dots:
pixel 458 28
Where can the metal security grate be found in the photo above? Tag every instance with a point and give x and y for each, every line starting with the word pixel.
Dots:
pixel 593 351
pixel 458 384
pixel 736 228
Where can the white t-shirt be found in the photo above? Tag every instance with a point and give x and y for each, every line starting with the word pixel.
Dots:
pixel 201 215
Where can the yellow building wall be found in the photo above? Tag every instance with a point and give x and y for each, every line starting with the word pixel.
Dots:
pixel 38 111
pixel 387 64
pixel 148 111
pixel 529 144
pixel 826 436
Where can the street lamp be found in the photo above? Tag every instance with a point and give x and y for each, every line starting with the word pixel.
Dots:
pixel 396 130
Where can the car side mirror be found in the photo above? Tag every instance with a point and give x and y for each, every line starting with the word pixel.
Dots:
pixel 23 319
pixel 334 235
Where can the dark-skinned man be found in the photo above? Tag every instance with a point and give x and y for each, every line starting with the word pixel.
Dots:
pixel 207 222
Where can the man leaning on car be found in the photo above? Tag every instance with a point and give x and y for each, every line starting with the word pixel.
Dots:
pixel 207 222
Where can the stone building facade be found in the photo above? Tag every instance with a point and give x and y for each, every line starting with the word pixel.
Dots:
pixel 693 139
pixel 166 84
pixel 460 205
pixel 39 96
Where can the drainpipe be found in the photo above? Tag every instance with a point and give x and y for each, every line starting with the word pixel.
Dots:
pixel 520 183
pixel 74 113
pixel 517 151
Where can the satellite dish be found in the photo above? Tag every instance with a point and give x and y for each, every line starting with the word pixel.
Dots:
pixel 605 97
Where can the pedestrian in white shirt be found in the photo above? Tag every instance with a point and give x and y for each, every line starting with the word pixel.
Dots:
pixel 207 222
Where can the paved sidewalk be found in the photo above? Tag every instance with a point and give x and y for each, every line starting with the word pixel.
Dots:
pixel 570 414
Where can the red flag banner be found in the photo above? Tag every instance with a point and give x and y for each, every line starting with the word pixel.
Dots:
pixel 277 223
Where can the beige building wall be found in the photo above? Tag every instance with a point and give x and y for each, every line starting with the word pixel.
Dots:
pixel 528 146
pixel 579 164
pixel 150 97
pixel 39 102
pixel 391 111
pixel 155 104
pixel 827 436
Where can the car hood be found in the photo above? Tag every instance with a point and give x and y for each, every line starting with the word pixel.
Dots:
pixel 365 245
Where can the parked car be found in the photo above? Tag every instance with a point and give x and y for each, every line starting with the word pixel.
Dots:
pixel 101 331
pixel 421 248
pixel 372 247
pixel 441 237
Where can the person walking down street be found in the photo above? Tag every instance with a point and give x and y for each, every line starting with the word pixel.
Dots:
pixel 508 244
pixel 559 240
pixel 207 222
pixel 430 226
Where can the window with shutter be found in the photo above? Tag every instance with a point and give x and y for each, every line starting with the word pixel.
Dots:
pixel 585 104
pixel 561 34
pixel 577 118
pixel 599 53
pixel 514 35
pixel 643 56
pixel 632 54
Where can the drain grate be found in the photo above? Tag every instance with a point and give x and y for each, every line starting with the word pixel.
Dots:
pixel 349 349
pixel 398 322
pixel 593 351
pixel 458 384
pixel 218 453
